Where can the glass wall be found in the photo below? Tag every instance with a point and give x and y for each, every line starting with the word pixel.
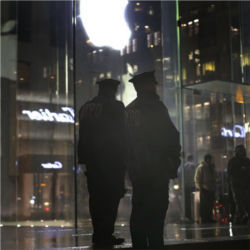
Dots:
pixel 201 56
pixel 214 44
pixel 37 116
pixel 138 49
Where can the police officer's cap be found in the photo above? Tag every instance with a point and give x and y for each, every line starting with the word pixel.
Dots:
pixel 144 78
pixel 108 83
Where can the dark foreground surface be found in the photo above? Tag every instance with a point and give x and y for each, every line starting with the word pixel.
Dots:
pixel 177 236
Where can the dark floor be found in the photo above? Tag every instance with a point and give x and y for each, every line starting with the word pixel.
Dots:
pixel 177 236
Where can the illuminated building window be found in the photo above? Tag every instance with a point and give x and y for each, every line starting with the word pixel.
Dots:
pixel 196 26
pixel 198 70
pixel 191 56
pixel 135 68
pixel 109 74
pixel 149 40
pixel 169 77
pixel 151 11
pixel 206 109
pixel 246 59
pixel 138 9
pixel 197 60
pixel 94 80
pixel 101 76
pixel 198 110
pixel 197 52
pixel 122 52
pixel 190 28
pixel 187 113
pixel 200 142
pixel 157 38
pixel 128 48
pixel 137 27
pixel 208 67
pixel 134 45
pixel 184 74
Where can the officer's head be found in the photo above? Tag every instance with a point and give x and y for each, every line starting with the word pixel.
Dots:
pixel 144 83
pixel 108 87
pixel 240 151
pixel 208 158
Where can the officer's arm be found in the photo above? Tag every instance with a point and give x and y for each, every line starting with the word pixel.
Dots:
pixel 172 134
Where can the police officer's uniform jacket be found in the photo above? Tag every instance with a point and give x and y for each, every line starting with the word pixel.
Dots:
pixel 154 141
pixel 101 142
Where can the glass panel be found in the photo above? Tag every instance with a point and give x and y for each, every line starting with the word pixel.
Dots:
pixel 142 52
pixel 214 46
pixel 37 117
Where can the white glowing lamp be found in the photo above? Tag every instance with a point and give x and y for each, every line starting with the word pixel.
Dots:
pixel 104 22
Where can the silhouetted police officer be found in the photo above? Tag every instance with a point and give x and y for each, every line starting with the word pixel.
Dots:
pixel 153 161
pixel 101 148
pixel 239 184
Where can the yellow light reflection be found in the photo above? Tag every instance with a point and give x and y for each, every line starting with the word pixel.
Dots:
pixel 239 96
pixel 208 66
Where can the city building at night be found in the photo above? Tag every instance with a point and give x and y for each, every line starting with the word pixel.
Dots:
pixel 53 53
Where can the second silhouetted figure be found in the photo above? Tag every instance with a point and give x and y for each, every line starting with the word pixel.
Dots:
pixel 101 148
pixel 154 159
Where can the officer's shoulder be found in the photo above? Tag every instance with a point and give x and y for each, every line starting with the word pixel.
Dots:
pixel 161 105
pixel 131 105
pixel 234 159
pixel 118 104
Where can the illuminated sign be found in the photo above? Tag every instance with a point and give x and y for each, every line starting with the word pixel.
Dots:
pixel 48 116
pixel 238 131
pixel 104 22
pixel 55 165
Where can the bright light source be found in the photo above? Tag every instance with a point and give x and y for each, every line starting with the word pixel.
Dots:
pixel 32 202
pixel 176 187
pixel 104 22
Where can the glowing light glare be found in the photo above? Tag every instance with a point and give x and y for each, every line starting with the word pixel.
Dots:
pixel 48 116
pixel 238 131
pixel 55 165
pixel 105 23
pixel 32 202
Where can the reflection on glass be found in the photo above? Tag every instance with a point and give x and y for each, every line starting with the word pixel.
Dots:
pixel 103 21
